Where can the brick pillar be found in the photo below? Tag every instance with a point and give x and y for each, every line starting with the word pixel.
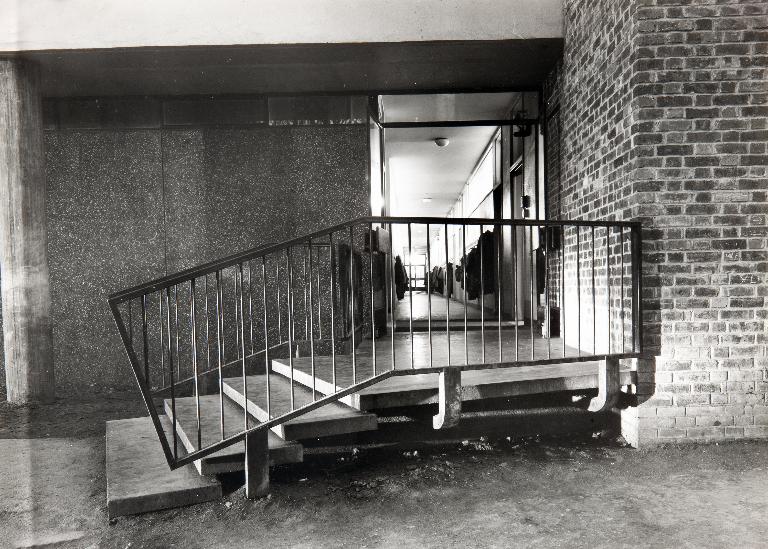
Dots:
pixel 23 239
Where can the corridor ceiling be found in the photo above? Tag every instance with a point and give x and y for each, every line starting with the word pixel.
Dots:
pixel 418 168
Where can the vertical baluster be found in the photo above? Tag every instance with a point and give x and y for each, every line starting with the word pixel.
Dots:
pixel 352 302
pixel 500 234
pixel 392 292
pixel 319 297
pixel 410 295
pixel 621 304
pixel 289 275
pixel 448 298
pixel 594 296
pixel 223 341
pixel 547 312
pixel 193 336
pixel 373 301
pixel 130 321
pixel 304 288
pixel 241 329
pixel 311 324
pixel 220 348
pixel 531 278
pixel 162 340
pixel 515 279
pixel 578 289
pixel 279 303
pixel 332 263
pixel 608 279
pixel 267 364
pixel 482 295
pixel 637 289
pixel 207 333
pixel 562 287
pixel 170 369
pixel 234 310
pixel 464 255
pixel 145 340
pixel 250 304
pixel 176 327
pixel 428 276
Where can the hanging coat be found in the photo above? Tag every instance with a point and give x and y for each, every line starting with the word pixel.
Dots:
pixel 401 278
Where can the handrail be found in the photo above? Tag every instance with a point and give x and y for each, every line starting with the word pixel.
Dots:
pixel 187 334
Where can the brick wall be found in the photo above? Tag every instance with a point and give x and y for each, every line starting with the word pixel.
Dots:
pixel 665 120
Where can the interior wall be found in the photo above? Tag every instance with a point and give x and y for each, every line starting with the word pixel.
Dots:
pixel 129 204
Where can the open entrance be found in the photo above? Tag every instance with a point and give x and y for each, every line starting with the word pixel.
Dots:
pixel 461 156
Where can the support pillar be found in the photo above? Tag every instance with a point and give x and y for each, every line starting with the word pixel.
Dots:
pixel 257 464
pixel 608 386
pixel 449 399
pixel 24 277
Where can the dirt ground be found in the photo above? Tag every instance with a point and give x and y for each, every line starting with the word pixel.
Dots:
pixel 540 492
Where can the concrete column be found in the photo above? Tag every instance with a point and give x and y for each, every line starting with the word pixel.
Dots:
pixel 23 239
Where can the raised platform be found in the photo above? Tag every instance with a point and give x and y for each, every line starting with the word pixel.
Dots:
pixel 331 419
pixel 231 458
pixel 138 477
pixel 418 389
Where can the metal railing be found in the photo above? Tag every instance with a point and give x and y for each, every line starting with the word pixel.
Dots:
pixel 332 307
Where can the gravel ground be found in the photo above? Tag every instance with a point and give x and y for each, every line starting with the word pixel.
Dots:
pixel 536 492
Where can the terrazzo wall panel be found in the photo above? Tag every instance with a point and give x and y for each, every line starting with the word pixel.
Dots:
pixel 233 189
pixel 105 232
pixel 126 205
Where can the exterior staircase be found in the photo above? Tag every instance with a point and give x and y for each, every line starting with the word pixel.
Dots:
pixel 210 351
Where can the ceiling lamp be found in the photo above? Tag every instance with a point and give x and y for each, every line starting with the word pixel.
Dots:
pixel 441 141
pixel 426 200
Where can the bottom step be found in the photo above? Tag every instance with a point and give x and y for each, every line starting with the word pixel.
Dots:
pixel 138 477
pixel 231 458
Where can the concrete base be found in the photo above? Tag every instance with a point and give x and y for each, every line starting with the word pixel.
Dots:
pixel 138 477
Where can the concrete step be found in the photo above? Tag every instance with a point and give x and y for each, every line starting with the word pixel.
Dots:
pixel 418 389
pixel 231 458
pixel 138 477
pixel 331 419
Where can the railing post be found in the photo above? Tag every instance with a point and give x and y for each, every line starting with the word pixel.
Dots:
pixel 637 301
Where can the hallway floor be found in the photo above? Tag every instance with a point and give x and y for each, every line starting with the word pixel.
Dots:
pixel 440 306
pixel 575 492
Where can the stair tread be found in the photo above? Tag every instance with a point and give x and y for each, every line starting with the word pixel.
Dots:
pixel 345 418
pixel 229 458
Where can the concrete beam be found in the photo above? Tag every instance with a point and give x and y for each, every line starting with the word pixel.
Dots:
pixel 23 237
pixel 87 24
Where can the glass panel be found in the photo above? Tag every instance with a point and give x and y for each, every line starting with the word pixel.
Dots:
pixel 451 107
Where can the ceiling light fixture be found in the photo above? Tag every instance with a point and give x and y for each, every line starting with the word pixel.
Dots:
pixel 426 200
pixel 441 141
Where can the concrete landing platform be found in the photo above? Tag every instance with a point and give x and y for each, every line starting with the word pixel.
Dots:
pixel 138 477
pixel 420 389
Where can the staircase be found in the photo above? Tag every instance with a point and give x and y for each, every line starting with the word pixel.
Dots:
pixel 245 362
